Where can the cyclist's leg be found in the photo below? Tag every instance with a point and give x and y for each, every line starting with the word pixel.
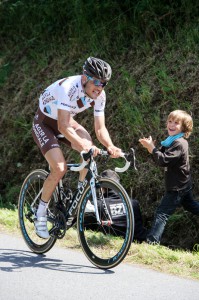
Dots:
pixel 57 165
pixel 46 140
pixel 44 131
pixel 83 133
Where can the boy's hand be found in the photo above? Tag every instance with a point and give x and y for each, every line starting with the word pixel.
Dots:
pixel 148 143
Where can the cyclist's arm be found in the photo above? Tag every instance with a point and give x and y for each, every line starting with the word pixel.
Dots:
pixel 65 126
pixel 104 137
pixel 102 132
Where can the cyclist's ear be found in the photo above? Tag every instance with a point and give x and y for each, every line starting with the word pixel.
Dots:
pixel 84 79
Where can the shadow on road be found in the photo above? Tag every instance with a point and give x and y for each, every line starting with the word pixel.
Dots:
pixel 13 260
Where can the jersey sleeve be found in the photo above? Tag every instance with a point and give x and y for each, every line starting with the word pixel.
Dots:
pixel 65 92
pixel 100 104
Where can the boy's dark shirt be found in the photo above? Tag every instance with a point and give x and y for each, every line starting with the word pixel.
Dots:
pixel 175 159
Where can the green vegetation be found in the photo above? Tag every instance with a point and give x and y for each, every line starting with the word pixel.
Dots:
pixel 180 263
pixel 153 48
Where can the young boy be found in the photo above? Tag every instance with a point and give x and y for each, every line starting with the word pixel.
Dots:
pixel 174 157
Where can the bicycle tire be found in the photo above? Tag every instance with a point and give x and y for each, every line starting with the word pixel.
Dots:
pixel 29 190
pixel 106 245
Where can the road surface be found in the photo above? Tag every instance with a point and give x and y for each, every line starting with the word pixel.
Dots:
pixel 67 274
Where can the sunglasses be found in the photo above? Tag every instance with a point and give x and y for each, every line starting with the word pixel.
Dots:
pixel 97 82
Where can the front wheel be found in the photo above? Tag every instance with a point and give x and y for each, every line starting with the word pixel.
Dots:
pixel 106 244
pixel 27 206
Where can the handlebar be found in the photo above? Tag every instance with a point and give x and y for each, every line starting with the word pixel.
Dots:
pixel 129 158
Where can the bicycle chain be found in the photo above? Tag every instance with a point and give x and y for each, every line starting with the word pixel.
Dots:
pixel 60 227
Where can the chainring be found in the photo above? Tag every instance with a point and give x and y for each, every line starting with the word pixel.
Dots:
pixel 59 225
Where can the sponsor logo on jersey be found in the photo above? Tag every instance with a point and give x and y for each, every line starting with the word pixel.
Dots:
pixel 99 110
pixel 46 97
pixel 72 92
pixel 65 104
pixel 102 103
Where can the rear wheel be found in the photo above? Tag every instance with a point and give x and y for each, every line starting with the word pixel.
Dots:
pixel 106 244
pixel 31 189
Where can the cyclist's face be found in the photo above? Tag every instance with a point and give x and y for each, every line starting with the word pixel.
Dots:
pixel 92 90
pixel 174 126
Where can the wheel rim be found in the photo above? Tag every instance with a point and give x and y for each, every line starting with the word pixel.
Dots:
pixel 106 245
pixel 26 214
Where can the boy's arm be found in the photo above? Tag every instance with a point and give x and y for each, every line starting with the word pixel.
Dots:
pixel 168 156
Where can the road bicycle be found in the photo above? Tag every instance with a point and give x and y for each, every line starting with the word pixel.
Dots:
pixel 104 241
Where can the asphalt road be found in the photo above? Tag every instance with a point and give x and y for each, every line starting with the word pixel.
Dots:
pixel 65 274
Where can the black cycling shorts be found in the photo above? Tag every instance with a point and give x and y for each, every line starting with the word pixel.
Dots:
pixel 45 132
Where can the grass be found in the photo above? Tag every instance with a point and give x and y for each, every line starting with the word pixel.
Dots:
pixel 153 50
pixel 160 258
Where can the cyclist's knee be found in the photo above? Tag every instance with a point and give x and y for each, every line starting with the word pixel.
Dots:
pixel 59 170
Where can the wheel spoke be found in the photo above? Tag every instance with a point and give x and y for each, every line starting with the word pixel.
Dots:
pixel 31 188
pixel 106 244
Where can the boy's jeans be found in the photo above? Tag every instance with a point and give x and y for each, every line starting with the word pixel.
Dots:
pixel 170 201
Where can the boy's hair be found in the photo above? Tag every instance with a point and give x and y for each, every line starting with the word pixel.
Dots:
pixel 185 118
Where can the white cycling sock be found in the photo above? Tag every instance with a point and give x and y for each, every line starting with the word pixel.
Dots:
pixel 41 211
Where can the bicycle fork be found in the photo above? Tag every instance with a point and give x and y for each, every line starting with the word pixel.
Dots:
pixel 94 196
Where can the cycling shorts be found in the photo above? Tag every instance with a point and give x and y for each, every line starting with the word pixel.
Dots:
pixel 45 132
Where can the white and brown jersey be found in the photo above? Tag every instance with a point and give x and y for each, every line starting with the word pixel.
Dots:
pixel 68 94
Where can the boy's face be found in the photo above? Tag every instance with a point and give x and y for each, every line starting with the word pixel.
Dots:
pixel 174 126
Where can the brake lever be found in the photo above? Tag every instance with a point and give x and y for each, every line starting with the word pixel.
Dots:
pixel 131 157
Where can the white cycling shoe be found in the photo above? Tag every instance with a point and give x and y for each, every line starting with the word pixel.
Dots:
pixel 41 227
pixel 89 207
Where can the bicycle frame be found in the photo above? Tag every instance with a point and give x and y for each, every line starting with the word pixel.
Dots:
pixel 91 178
pixel 89 206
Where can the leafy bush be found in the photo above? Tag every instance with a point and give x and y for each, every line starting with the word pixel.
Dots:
pixel 153 49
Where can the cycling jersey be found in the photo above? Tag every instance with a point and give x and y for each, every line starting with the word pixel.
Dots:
pixel 67 94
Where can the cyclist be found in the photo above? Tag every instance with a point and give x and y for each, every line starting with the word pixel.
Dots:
pixel 59 103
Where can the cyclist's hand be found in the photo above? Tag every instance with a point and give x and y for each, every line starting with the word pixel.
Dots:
pixel 114 151
pixel 96 150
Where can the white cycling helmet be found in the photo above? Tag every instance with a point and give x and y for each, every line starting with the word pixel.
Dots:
pixel 97 68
